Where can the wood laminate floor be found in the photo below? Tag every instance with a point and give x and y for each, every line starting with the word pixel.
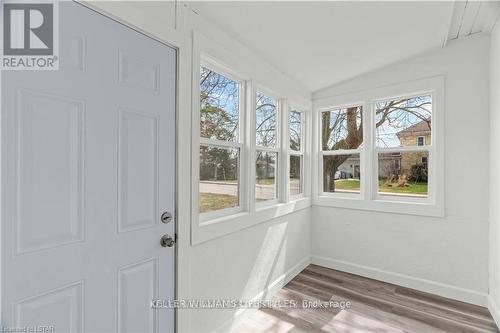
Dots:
pixel 375 307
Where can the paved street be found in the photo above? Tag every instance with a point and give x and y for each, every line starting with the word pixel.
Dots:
pixel 231 188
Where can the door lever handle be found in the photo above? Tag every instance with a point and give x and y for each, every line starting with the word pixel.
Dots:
pixel 167 241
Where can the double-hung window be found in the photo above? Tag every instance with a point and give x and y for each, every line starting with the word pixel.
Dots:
pixel 296 153
pixel 266 148
pixel 220 142
pixel 403 128
pixel 341 141
pixel 385 153
pixel 242 162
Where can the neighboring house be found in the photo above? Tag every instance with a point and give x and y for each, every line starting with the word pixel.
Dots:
pixel 418 134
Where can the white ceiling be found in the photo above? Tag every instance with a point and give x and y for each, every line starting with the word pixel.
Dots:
pixel 323 43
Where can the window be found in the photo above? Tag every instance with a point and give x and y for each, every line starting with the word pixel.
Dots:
pixel 341 145
pixel 424 161
pixel 219 141
pixel 402 125
pixel 381 149
pixel 296 153
pixel 266 142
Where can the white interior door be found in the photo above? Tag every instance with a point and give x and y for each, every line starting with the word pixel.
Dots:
pixel 88 168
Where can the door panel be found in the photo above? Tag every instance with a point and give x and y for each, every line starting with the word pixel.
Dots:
pixel 49 183
pixel 138 284
pixel 138 154
pixel 88 167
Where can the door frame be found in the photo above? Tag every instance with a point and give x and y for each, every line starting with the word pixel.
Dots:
pixel 180 41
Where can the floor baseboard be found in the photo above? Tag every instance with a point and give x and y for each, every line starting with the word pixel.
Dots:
pixel 494 310
pixel 267 293
pixel 433 287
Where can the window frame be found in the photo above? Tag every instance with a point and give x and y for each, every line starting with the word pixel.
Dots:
pixel 423 139
pixel 216 143
pixel 433 204
pixel 300 153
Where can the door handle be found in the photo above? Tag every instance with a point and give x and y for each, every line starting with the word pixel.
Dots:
pixel 167 241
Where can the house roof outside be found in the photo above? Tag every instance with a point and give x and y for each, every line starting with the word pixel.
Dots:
pixel 422 127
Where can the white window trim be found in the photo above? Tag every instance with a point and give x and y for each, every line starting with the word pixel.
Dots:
pixel 301 152
pixel 369 199
pixel 227 221
pixel 423 140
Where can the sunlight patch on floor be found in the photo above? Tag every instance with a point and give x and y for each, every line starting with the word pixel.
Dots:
pixel 351 322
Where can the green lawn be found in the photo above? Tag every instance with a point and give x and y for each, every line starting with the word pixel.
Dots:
pixel 353 185
pixel 213 201
pixel 265 181
pixel 347 184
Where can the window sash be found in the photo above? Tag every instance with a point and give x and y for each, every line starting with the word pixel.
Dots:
pixel 302 130
pixel 429 198
pixel 278 115
pixel 302 173
pixel 373 109
pixel 347 195
pixel 277 166
pixel 210 215
pixel 210 65
pixel 363 111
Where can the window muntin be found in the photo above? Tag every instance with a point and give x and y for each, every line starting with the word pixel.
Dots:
pixel 403 138
pixel 342 128
pixel 219 174
pixel 220 147
pixel 265 121
pixel 399 121
pixel 266 175
pixel 219 106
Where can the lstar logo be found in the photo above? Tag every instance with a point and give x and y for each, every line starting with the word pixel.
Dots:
pixel 29 35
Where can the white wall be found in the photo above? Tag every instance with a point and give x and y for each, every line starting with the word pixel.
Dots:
pixel 253 262
pixel 494 263
pixel 244 264
pixel 447 256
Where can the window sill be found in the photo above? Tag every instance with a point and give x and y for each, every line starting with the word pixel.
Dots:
pixel 383 205
pixel 208 230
